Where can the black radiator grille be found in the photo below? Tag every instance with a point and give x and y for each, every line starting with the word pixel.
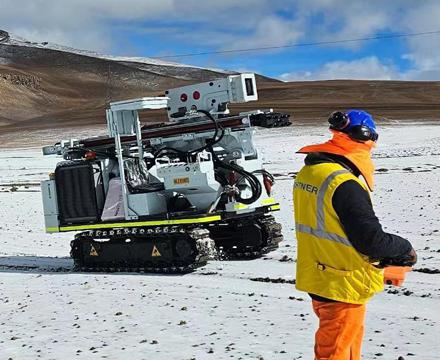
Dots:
pixel 76 192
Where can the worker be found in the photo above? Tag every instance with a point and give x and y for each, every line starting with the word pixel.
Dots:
pixel 342 248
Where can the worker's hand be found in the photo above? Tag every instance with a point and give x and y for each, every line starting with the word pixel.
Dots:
pixel 412 257
pixel 406 260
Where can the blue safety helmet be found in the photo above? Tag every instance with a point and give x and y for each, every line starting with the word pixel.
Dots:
pixel 358 124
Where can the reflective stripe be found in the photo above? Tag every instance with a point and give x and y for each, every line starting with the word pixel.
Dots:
pixel 322 234
pixel 142 223
pixel 268 201
pixel 320 224
pixel 199 220
pixel 321 195
pixel 328 265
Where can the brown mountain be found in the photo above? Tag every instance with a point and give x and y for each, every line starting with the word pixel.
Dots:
pixel 46 86
pixel 386 100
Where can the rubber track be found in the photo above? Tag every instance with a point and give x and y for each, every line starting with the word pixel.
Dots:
pixel 199 235
pixel 272 231
pixel 270 227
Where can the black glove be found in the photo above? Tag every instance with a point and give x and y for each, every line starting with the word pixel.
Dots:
pixel 406 260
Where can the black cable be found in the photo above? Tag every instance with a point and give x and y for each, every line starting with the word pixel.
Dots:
pixel 209 142
pixel 317 43
pixel 330 42
pixel 264 172
pixel 221 178
pixel 253 181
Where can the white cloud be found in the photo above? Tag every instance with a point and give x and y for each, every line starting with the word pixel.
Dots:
pixel 85 24
pixel 270 31
pixel 365 68
pixel 231 24
pixel 92 24
pixel 424 50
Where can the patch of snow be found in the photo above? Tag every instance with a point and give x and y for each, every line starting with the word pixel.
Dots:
pixel 217 312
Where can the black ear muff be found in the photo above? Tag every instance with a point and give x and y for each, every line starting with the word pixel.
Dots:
pixel 362 133
pixel 338 120
pixel 341 122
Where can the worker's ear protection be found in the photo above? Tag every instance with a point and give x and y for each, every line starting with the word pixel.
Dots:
pixel 362 133
pixel 340 121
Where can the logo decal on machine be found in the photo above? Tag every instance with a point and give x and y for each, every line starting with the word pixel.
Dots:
pixel 155 252
pixel 93 251
pixel 181 181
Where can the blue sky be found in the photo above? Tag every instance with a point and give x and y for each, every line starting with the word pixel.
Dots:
pixel 170 27
pixel 273 62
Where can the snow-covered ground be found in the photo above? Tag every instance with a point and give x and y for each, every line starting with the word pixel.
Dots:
pixel 217 312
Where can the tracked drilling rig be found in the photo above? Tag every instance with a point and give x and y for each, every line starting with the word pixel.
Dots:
pixel 168 197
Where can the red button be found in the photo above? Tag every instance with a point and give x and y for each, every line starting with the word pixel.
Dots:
pixel 196 95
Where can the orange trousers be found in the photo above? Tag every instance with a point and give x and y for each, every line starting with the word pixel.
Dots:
pixel 341 329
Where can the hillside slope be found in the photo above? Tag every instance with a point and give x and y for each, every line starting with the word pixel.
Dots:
pixel 43 86
pixel 46 86
pixel 387 100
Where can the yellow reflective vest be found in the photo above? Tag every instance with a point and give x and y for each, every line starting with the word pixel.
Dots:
pixel 327 264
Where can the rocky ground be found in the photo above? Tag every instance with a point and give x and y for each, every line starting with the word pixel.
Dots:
pixel 226 310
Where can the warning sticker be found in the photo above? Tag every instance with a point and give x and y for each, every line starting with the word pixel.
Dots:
pixel 155 252
pixel 93 251
pixel 181 181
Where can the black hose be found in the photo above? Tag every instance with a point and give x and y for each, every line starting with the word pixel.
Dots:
pixel 264 172
pixel 253 181
pixel 209 142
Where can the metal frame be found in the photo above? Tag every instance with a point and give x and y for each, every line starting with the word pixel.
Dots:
pixel 123 119
pixel 231 89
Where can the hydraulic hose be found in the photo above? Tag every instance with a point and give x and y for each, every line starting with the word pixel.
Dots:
pixel 209 142
pixel 252 180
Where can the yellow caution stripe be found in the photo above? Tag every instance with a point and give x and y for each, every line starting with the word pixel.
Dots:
pixel 240 206
pixel 275 207
pixel 138 224
pixel 272 206
pixel 268 201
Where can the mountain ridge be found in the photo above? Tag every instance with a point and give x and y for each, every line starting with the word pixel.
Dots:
pixel 43 87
